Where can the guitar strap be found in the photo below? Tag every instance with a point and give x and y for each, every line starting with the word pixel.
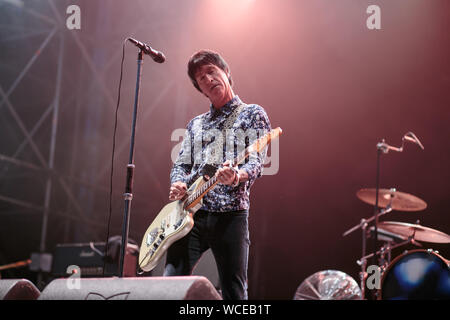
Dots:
pixel 232 117
pixel 215 157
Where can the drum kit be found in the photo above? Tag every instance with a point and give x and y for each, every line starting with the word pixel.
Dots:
pixel 414 274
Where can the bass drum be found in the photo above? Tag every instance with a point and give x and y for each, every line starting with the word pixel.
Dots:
pixel 417 274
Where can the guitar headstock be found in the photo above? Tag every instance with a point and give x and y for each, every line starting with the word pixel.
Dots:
pixel 262 142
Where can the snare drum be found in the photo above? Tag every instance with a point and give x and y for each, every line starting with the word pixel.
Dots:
pixel 417 274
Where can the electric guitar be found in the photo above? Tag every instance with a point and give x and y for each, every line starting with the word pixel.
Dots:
pixel 176 219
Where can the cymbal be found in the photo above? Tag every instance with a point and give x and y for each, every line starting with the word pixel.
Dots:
pixel 419 232
pixel 399 200
pixel 328 285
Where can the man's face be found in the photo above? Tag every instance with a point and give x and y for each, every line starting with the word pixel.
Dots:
pixel 214 83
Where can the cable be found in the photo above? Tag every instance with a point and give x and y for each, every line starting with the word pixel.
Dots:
pixel 112 159
pixel 91 244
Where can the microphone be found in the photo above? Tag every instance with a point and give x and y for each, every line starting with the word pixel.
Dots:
pixel 157 56
pixel 413 138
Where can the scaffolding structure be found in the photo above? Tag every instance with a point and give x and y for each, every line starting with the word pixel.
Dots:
pixel 42 143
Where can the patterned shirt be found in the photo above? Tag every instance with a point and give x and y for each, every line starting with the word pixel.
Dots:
pixel 207 142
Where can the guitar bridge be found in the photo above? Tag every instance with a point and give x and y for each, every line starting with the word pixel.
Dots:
pixel 151 236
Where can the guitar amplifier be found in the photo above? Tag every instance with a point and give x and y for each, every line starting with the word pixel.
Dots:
pixel 90 258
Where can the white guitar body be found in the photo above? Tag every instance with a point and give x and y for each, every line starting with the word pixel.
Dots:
pixel 171 224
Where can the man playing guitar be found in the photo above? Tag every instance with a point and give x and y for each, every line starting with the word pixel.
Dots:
pixel 222 222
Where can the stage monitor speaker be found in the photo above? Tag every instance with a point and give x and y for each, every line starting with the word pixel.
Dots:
pixel 136 288
pixel 206 267
pixel 18 289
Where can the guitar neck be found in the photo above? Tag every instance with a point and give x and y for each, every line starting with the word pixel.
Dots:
pixel 195 197
pixel 257 146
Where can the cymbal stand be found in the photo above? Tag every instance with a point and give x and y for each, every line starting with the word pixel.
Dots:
pixel 389 248
pixel 363 261
pixel 382 147
pixel 363 273
pixel 366 221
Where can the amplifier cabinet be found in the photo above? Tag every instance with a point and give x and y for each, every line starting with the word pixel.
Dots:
pixel 90 259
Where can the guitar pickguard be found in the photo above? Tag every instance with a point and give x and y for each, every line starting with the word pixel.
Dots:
pixel 172 223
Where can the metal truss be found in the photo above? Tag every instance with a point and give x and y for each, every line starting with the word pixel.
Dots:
pixel 56 33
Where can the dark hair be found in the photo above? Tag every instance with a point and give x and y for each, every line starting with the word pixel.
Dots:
pixel 204 57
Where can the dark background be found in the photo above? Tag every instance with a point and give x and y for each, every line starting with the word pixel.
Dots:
pixel 335 87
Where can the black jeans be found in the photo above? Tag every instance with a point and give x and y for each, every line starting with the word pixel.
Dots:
pixel 226 233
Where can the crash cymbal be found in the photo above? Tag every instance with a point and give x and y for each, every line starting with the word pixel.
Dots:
pixel 399 200
pixel 419 232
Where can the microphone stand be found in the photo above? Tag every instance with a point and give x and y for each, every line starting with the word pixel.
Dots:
pixel 382 147
pixel 385 148
pixel 128 195
pixel 375 212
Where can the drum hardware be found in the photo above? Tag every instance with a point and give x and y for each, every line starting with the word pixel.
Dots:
pixel 387 248
pixel 385 256
pixel 364 222
pixel 411 233
pixel 387 200
pixel 363 262
pixel 383 261
pixel 386 236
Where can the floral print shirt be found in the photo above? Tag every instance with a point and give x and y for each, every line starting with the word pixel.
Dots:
pixel 207 144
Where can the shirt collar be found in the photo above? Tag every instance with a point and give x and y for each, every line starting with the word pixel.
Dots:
pixel 227 108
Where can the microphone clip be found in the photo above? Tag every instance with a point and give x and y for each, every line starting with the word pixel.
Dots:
pixel 409 136
pixel 385 148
